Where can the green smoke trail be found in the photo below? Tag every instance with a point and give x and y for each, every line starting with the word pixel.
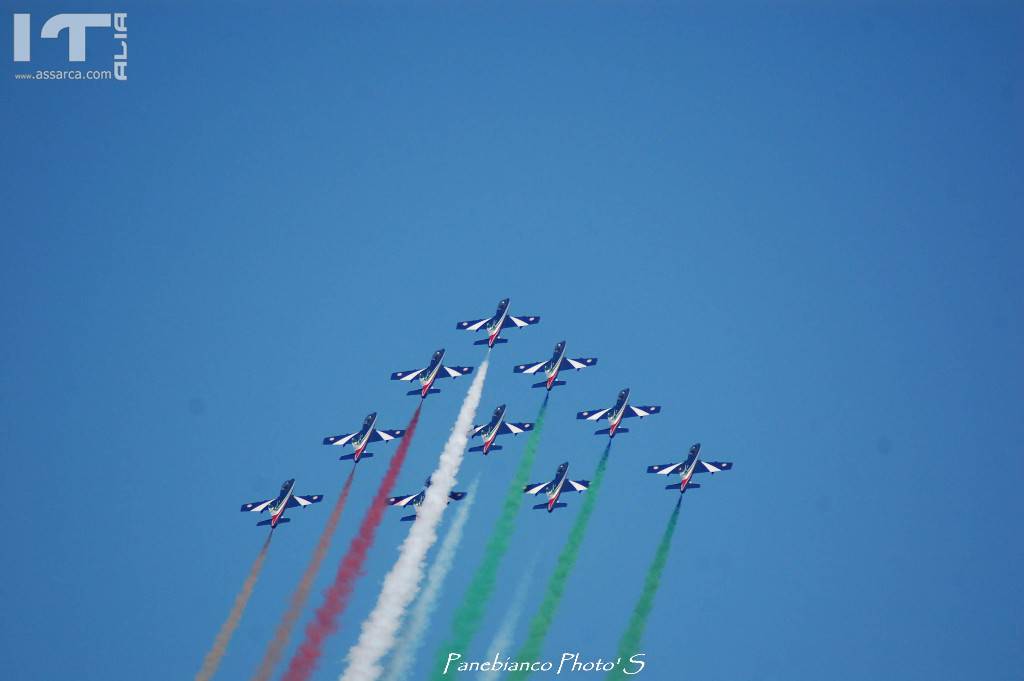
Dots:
pixel 470 613
pixel 630 641
pixel 541 622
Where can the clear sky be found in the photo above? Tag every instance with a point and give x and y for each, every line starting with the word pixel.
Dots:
pixel 797 228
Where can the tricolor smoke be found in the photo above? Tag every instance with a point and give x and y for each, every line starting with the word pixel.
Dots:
pixel 541 622
pixel 630 641
pixel 419 619
pixel 284 629
pixel 220 643
pixel 401 583
pixel 470 613
pixel 325 620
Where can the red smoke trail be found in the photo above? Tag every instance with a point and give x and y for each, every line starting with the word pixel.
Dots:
pixel 325 621
pixel 284 629
pixel 227 630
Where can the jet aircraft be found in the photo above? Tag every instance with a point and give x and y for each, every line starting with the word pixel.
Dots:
pixel 415 500
pixel 285 499
pixel 364 436
pixel 555 487
pixel 495 427
pixel 431 373
pixel 552 366
pixel 686 469
pixel 494 325
pixel 618 411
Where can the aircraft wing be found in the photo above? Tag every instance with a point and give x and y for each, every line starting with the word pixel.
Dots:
pixel 515 428
pixel 529 368
pixel 339 439
pixel 306 500
pixel 256 506
pixel 518 322
pixel 476 430
pixel 473 324
pixel 593 415
pixel 580 485
pixel 453 372
pixel 537 487
pixel 385 435
pixel 647 410
pixel 406 375
pixel 667 468
pixel 578 363
pixel 405 500
pixel 712 466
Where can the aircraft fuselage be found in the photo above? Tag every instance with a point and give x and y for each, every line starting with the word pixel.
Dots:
pixel 551 370
pixel 277 508
pixel 494 327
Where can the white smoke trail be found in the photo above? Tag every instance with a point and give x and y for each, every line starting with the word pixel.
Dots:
pixel 400 665
pixel 502 641
pixel 377 636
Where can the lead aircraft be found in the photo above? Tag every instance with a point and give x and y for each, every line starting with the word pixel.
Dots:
pixel 615 413
pixel 364 436
pixel 551 367
pixel 495 427
pixel 431 373
pixel 285 499
pixel 494 325
pixel 415 500
pixel 687 468
pixel 554 488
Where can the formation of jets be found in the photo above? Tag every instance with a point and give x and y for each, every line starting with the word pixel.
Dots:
pixel 496 426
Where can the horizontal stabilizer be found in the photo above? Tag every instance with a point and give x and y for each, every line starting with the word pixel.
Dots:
pixel 270 520
pixel 456 496
pixel 480 448
pixel 544 384
pixel 408 518
pixel 605 431
pixel 538 507
pixel 483 341
pixel 349 457
pixel 419 392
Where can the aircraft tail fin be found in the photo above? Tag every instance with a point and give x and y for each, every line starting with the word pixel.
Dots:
pixel 420 393
pixel 606 431
pixel 483 341
pixel 282 521
pixel 545 506
pixel 408 518
pixel 494 448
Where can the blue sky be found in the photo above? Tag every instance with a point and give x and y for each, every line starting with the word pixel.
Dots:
pixel 797 228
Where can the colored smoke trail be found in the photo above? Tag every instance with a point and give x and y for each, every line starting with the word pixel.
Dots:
pixel 503 637
pixel 470 613
pixel 401 584
pixel 291 616
pixel 426 604
pixel 541 622
pixel 325 620
pixel 220 643
pixel 629 644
